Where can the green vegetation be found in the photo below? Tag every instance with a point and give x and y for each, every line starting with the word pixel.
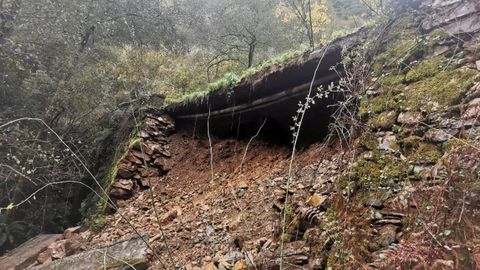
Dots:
pixel 93 208
pixel 383 121
pixel 386 101
pixel 402 46
pixel 411 142
pixel 426 68
pixel 380 172
pixel 440 91
pixel 458 143
pixel 435 37
pixel 368 141
pixel 284 57
pixel 230 80
pixel 426 154
pixel 391 80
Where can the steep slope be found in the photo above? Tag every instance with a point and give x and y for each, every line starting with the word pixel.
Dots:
pixel 402 193
pixel 405 194
pixel 238 210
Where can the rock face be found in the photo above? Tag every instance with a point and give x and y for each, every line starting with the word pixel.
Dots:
pixel 435 134
pixel 44 249
pixel 70 244
pixel 117 256
pixel 456 17
pixel 147 157
pixel 410 118
pixel 27 253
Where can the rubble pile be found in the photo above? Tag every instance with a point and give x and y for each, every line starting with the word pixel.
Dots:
pixel 70 244
pixel 147 157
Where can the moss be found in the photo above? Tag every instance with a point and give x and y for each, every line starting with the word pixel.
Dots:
pixel 382 171
pixel 406 22
pixel 368 141
pixel 93 208
pixel 410 142
pixel 394 170
pixel 394 146
pixel 402 47
pixel 405 44
pixel 383 121
pixel 230 80
pixel 391 80
pixel 195 96
pixel 330 227
pixel 373 246
pixel 387 100
pixel 426 68
pixel 436 36
pixel 441 90
pixel 347 185
pixel 426 153
pixel 273 61
pixel 456 143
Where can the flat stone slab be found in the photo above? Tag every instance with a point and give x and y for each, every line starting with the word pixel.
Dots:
pixel 127 254
pixel 451 15
pixel 26 254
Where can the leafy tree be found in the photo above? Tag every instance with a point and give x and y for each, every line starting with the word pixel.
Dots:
pixel 311 15
pixel 241 30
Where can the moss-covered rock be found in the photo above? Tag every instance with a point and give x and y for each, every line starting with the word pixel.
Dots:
pixel 425 69
pixel 411 141
pixel 368 141
pixel 410 118
pixel 422 80
pixel 436 36
pixel 376 105
pixel 458 143
pixel 403 45
pixel 392 80
pixel 382 171
pixel 425 153
pixel 383 121
pixel 440 91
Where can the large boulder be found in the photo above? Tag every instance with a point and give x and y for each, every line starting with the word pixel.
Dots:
pixel 122 254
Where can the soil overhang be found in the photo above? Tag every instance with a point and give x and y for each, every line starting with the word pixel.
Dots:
pixel 273 94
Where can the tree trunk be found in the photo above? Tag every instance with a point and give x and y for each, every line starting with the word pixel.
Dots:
pixel 251 53
pixel 311 37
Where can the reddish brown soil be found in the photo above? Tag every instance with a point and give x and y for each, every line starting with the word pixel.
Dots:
pixel 215 215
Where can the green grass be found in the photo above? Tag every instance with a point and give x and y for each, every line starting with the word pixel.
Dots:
pixel 273 61
pixel 231 80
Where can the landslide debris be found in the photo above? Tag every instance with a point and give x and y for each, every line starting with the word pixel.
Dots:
pixel 405 194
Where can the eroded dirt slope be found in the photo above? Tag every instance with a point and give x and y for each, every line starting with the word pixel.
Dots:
pixel 404 195
pixel 232 217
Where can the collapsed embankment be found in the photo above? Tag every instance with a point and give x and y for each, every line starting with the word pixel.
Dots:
pixel 404 194
pixel 370 206
pixel 229 212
